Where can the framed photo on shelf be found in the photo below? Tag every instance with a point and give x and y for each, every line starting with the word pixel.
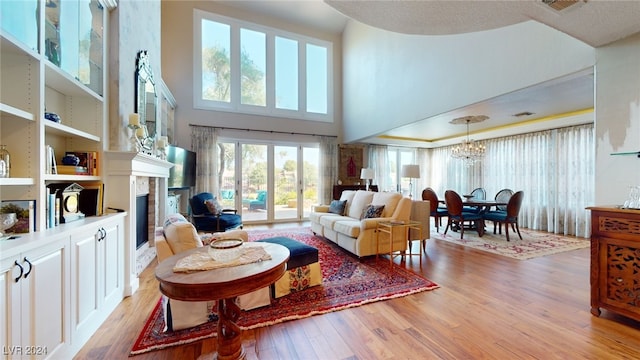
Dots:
pixel 25 211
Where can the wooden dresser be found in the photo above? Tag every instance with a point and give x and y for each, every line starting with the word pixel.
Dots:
pixel 615 261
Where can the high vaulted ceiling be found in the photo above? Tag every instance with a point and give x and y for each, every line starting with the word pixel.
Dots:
pixel 595 22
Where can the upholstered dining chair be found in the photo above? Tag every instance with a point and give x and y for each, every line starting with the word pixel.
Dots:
pixel 479 194
pixel 503 196
pixel 436 212
pixel 509 217
pixel 456 215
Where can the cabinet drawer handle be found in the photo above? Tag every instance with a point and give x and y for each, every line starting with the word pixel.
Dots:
pixel 101 234
pixel 30 267
pixel 21 271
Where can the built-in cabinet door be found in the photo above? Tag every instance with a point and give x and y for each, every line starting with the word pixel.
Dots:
pixel 111 251
pixel 33 312
pixel 85 277
pixel 10 304
pixel 44 291
pixel 97 276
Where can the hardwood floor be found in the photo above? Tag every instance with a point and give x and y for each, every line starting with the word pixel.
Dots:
pixel 487 307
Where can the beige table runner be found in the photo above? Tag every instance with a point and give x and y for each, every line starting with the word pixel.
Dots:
pixel 201 261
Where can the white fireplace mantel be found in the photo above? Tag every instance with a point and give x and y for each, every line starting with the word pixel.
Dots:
pixel 124 171
pixel 126 163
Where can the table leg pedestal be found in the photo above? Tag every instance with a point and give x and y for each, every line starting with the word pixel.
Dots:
pixel 229 333
pixel 229 338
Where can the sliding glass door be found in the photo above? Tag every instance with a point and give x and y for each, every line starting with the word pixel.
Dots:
pixel 253 160
pixel 271 182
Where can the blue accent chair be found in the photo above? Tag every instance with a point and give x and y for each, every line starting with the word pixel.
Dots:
pixel 204 220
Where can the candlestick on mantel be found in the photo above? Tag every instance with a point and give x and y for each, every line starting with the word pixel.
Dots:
pixel 162 142
pixel 134 120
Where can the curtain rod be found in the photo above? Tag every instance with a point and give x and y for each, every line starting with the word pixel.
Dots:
pixel 265 131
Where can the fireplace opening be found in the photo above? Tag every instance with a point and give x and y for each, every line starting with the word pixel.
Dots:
pixel 142 220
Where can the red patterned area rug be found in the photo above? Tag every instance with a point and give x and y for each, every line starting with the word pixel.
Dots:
pixel 533 244
pixel 346 282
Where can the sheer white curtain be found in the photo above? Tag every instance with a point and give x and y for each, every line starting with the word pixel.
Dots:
pixel 554 169
pixel 524 162
pixel 422 159
pixel 328 168
pixel 379 161
pixel 204 142
pixel 575 153
pixel 446 173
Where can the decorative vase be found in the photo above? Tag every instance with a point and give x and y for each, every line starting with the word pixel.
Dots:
pixel 5 161
pixel 52 117
pixel 71 160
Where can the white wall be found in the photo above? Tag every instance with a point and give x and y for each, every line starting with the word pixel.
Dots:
pixel 130 32
pixel 177 69
pixel 617 120
pixel 393 79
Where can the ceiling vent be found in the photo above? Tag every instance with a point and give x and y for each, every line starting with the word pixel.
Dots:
pixel 559 5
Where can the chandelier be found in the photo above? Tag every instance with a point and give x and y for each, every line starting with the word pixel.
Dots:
pixel 468 151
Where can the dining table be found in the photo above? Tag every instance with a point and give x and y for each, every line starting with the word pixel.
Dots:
pixel 486 205
pixel 483 205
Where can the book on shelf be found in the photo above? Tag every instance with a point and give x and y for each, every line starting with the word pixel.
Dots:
pixel 72 170
pixel 88 160
pixel 25 211
pixel 51 208
pixel 91 198
pixel 50 164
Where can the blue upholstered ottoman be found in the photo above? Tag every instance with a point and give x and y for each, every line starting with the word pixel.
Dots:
pixel 303 268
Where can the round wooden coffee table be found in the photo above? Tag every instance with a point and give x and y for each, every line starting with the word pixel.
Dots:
pixel 223 285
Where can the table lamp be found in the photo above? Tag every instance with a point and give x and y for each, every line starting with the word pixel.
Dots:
pixel 367 174
pixel 412 172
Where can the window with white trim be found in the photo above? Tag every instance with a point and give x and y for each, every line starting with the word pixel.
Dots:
pixel 247 68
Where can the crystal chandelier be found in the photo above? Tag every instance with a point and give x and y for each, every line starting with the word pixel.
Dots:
pixel 468 151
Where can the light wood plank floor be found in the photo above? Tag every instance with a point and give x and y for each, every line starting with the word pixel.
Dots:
pixel 488 307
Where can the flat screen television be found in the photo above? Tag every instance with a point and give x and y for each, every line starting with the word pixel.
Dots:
pixel 183 172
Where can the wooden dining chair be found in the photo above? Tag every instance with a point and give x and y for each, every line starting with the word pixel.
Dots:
pixel 458 217
pixel 479 194
pixel 503 196
pixel 508 217
pixel 436 212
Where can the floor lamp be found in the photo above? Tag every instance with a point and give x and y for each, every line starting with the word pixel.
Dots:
pixel 367 174
pixel 411 172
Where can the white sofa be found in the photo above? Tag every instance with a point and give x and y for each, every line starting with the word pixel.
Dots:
pixel 357 235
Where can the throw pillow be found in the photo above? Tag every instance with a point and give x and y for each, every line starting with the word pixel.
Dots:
pixel 214 206
pixel 372 211
pixel 337 207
